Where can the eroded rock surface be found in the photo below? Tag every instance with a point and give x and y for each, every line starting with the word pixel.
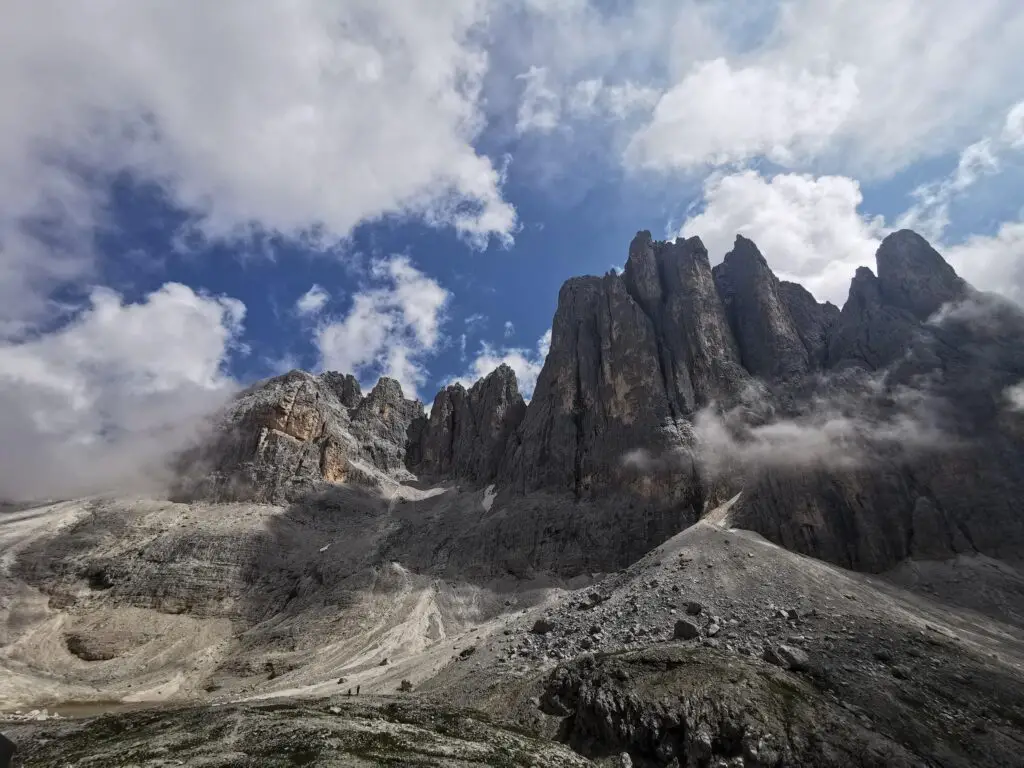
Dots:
pixel 287 436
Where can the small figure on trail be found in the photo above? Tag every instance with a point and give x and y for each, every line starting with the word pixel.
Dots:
pixel 357 690
pixel 349 692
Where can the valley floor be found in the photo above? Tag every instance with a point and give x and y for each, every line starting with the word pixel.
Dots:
pixel 241 629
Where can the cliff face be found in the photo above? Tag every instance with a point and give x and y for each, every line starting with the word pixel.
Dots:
pixel 467 431
pixel 286 436
pixel 912 371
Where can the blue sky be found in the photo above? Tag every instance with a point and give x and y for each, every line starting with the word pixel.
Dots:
pixel 176 176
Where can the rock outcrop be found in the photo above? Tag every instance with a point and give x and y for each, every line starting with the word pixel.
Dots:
pixel 771 347
pixel 285 436
pixel 601 396
pixel 913 276
pixel 467 431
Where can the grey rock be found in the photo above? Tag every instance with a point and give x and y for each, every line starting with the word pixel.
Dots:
pixel 542 626
pixel 813 321
pixel 685 630
pixel 913 276
pixel 770 345
pixel 293 434
pixel 467 431
pixel 788 657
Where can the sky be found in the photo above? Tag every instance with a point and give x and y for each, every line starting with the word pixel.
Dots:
pixel 195 196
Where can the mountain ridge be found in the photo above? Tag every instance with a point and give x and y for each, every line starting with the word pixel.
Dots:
pixel 650 367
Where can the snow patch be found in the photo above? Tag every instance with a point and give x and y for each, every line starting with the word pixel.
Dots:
pixel 489 496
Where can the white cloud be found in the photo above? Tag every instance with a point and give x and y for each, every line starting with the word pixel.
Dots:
pixel 389 328
pixel 103 403
pixel 285 116
pixel 930 213
pixel 475 322
pixel 539 107
pixel 1015 397
pixel 828 86
pixel 993 262
pixel 312 301
pixel 589 98
pixel 719 114
pixel 526 363
pixel 1013 128
pixel 809 229
pixel 510 328
pixel 845 433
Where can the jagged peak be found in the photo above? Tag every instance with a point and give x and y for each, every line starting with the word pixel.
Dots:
pixel 744 255
pixel 913 275
pixel 386 387
pixel 503 373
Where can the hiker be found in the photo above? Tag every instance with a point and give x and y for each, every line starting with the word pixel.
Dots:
pixel 357 690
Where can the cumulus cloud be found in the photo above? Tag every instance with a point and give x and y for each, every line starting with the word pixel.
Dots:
pixel 526 363
pixel 809 229
pixel 993 262
pixel 312 301
pixel 103 403
pixel 812 231
pixel 389 328
pixel 719 114
pixel 827 80
pixel 288 117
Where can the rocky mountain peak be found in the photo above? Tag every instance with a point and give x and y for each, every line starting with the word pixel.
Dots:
pixel 770 342
pixel 913 276
pixel 287 435
pixel 467 431
pixel 345 387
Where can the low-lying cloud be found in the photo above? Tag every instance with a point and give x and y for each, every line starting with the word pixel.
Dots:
pixel 103 404
pixel 847 426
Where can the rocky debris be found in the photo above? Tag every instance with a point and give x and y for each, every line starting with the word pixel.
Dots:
pixel 685 630
pixel 337 732
pixel 542 626
pixel 82 646
pixel 788 657
pixel 467 431
pixel 672 706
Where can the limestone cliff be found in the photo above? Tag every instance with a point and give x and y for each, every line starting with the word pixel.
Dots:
pixel 467 431
pixel 642 362
pixel 285 436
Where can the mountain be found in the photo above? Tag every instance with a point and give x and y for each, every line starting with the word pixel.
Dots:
pixel 669 388
pixel 733 526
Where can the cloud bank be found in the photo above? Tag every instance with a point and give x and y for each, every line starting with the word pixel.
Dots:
pixel 102 404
